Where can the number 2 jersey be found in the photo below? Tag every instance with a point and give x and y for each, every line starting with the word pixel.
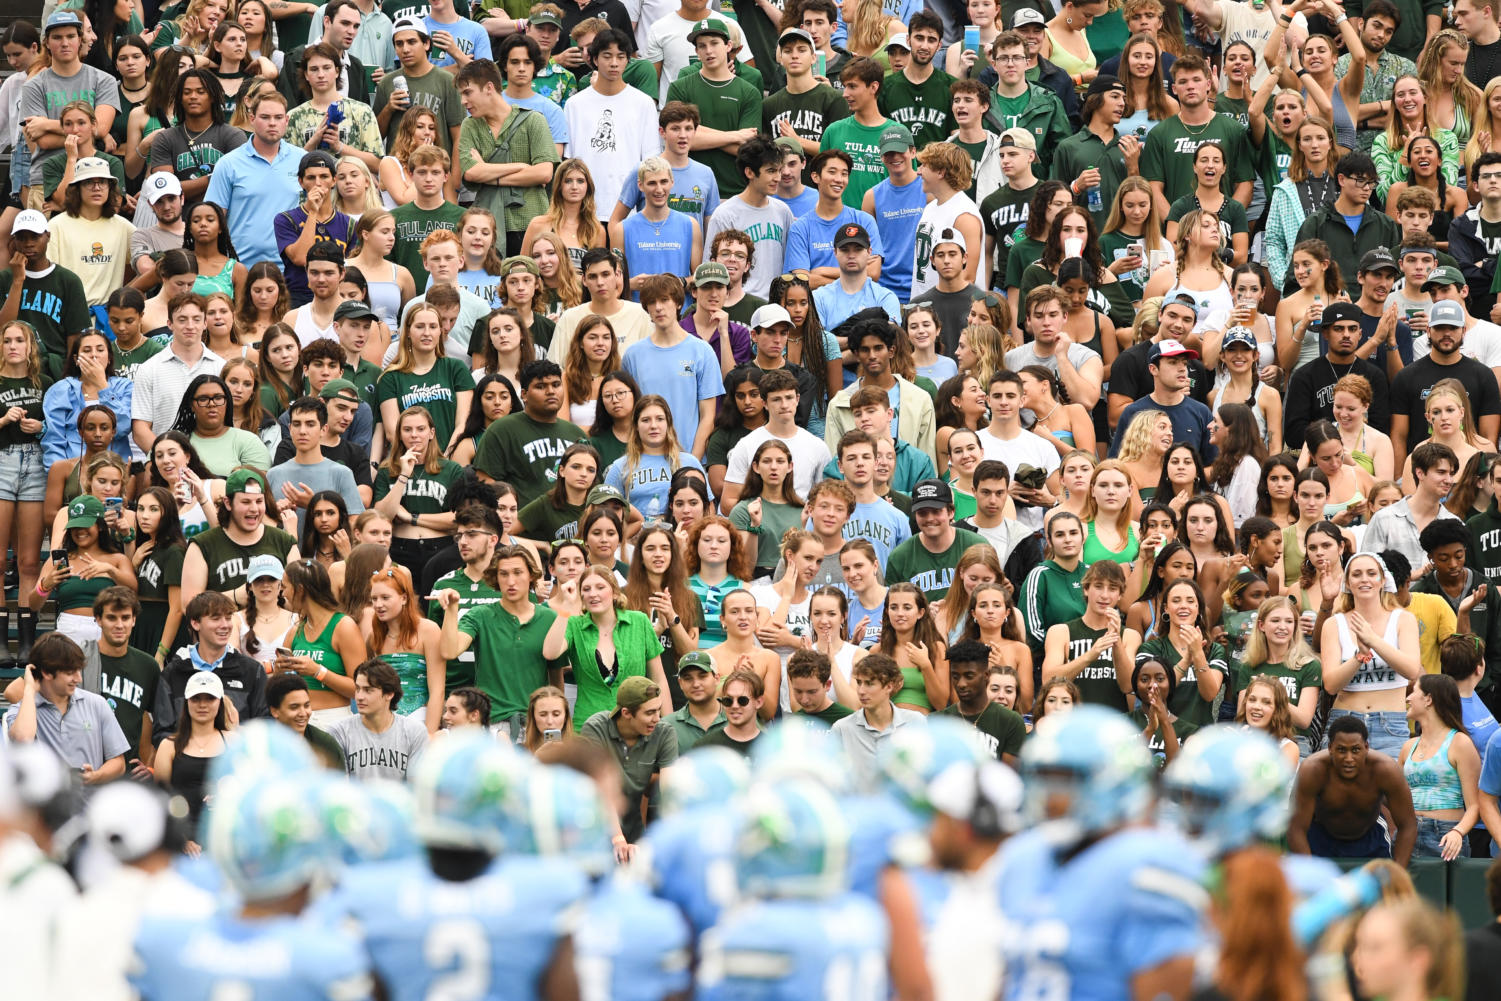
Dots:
pixel 295 958
pixel 493 936
pixel 1079 930
pixel 796 950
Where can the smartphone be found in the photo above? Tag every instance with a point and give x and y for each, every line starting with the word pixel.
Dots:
pixel 282 651
pixel 972 38
pixel 115 504
pixel 60 561
pixel 548 736
pixel 1135 250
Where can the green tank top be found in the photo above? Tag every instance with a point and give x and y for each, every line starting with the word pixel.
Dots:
pixel 1095 550
pixel 72 489
pixel 1097 684
pixel 913 692
pixel 1292 555
pixel 411 667
pixel 321 650
pixel 227 560
pixel 75 592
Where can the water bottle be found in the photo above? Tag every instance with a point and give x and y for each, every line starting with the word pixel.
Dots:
pixel 1095 197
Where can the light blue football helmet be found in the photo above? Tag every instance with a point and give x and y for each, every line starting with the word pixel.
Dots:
pixel 1227 788
pixel 266 835
pixel 792 841
pixel 467 791
pixel 566 817
pixel 370 821
pixel 263 747
pixel 709 776
pixel 913 756
pixel 1086 771
pixel 799 747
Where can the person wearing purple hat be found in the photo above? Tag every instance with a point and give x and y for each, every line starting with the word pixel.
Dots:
pixel 1192 420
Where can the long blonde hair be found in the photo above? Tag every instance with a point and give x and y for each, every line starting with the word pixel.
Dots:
pixel 570 291
pixel 372 189
pixel 1466 94
pixel 406 142
pixel 1297 167
pixel 1257 653
pixel 1481 123
pixel 1455 390
pixel 33 351
pixel 588 222
pixel 1151 230
pixel 1346 601
pixel 633 448
pixel 1137 439
pixel 1396 132
pixel 1186 226
pixel 867 32
pixel 990 352
pixel 406 357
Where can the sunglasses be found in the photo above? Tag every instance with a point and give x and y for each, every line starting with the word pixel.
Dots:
pixel 557 544
pixel 735 700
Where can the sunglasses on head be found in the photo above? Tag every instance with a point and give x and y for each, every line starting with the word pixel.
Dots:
pixel 735 700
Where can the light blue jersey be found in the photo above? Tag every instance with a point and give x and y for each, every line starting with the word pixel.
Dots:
pixel 797 950
pixel 1081 929
pixel 636 947
pixel 882 833
pixel 882 524
pixel 298 958
pixel 801 204
pixel 494 935
pixel 692 862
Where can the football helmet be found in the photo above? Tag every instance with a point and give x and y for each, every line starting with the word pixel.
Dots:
pixel 1085 771
pixel 1227 788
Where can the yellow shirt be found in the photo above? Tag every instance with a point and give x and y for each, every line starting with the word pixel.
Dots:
pixel 1436 622
pixel 94 251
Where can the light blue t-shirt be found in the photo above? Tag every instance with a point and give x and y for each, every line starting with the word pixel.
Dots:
pixel 481 284
pixel 694 191
pixel 647 490
pixel 802 204
pixel 882 525
pixel 835 305
pixel 898 211
pixel 683 374
pixel 944 368
pixel 548 109
pixel 810 241
pixel 658 248
pixel 473 40
pixel 1479 723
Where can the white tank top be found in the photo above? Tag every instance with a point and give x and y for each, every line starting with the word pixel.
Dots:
pixel 308 331
pixel 935 219
pixel 1378 675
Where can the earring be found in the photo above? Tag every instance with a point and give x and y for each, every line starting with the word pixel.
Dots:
pixel 1068 20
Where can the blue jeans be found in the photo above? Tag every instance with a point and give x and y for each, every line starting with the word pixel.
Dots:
pixel 1430 833
pixel 1388 730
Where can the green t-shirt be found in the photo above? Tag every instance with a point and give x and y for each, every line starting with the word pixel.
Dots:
pixel 976 151
pixel 931 573
pixel 15 392
pixel 128 684
pixel 636 643
pixel 435 91
pixel 325 747
pixel 1191 708
pixel 863 144
pixel 472 594
pixel 1295 680
pixel 524 453
pixel 1273 157
pixel 717 451
pixel 1010 109
pixel 1002 729
pixel 56 307
pixel 609 448
pixel 527 140
pixel 833 714
pixel 924 108
pixel 436 389
pixel 228 561
pixel 776 519
pixel 1097 684
pixel 725 105
pixel 412 227
pixel 426 493
pixel 1232 214
pixel 126 362
pixel 1168 154
pixel 1025 252
pixel 1113 247
pixel 159 572
pixel 543 522
pixel 808 113
pixel 508 661
pixel 52 172
pixel 1004 212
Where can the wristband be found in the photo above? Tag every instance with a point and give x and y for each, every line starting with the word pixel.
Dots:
pixel 39 591
pixel 1341 20
pixel 1302 72
pixel 321 672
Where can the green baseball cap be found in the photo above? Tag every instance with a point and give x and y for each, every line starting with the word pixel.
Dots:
pixel 697 660
pixel 709 26
pixel 635 692
pixel 85 512
pixel 244 481
pixel 711 273
pixel 511 265
pixel 336 388
pixel 1443 276
pixel 896 139
pixel 545 17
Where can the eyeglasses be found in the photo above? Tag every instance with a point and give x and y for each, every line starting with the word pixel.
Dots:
pixel 1004 60
pixel 735 700
pixel 1489 176
pixel 1362 182
pixel 732 255
pixel 615 395
pixel 211 401
pixel 473 535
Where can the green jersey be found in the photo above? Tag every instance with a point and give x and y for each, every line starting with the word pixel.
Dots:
pixel 56 307
pixel 426 493
pixel 1191 708
pixel 472 594
pixel 542 521
pixel 726 105
pixel 436 389
pixel 128 684
pixel 508 661
pixel 126 362
pixel 1001 729
pixel 1097 682
pixel 321 650
pixel 524 453
pixel 863 144
pixel 413 225
pixel 924 108
pixel 1004 213
pixel 930 572
pixel 159 572
pixel 228 560
pixel 1168 153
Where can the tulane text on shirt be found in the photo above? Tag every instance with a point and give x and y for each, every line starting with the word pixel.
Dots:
pixel 376 757
pixel 41 301
pixel 545 448
pixel 418 395
pixel 933 580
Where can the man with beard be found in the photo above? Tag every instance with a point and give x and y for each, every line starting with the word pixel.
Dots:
pixel 918 96
pixel 1310 391
pixel 1446 333
pixel 1378 273
pixel 219 559
pixel 163 192
pixel 1383 66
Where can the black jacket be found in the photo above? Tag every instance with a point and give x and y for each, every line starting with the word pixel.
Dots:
pixel 244 683
pixel 1476 262
pixel 290 82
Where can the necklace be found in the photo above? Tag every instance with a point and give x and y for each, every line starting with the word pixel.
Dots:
pixel 1043 420
pixel 1195 130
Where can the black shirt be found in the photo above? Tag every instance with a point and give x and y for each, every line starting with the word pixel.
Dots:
pixel 952 310
pixel 1411 387
pixel 1483 63
pixel 1130 377
pixel 1310 397
pixel 721 739
pixel 612 11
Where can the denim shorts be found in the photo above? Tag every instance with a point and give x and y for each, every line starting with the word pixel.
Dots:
pixel 23 474
pixel 1430 833
pixel 1389 731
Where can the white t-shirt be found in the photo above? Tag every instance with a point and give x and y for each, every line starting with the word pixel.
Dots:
pixel 935 219
pixel 798 623
pixel 612 135
pixel 1025 449
pixel 1482 342
pixel 667 43
pixel 809 457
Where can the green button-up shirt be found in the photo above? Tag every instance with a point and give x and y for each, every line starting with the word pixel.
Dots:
pixel 688 729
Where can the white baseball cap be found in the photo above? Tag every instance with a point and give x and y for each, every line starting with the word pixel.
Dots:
pixel 159 185
pixel 91 168
pixel 29 221
pixel 769 315
pixel 949 235
pixel 204 683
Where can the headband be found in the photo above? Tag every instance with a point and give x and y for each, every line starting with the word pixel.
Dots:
pixel 1388 582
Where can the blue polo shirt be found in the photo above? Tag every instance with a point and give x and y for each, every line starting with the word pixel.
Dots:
pixel 252 190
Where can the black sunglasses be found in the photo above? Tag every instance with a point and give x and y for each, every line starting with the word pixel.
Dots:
pixel 735 700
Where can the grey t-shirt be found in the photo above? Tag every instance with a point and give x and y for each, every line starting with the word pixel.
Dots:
pixel 190 161
pixel 319 476
pixel 153 241
pixel 47 93
pixel 952 310
pixel 371 755
pixel 1019 358
pixel 767 226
